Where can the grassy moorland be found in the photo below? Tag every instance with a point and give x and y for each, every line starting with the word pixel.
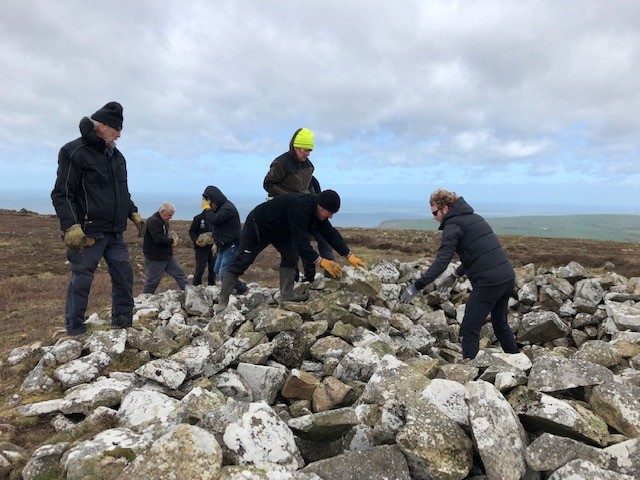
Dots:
pixel 613 227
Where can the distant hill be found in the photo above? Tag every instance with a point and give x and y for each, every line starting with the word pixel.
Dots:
pixel 618 228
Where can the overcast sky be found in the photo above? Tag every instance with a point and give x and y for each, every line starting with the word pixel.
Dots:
pixel 511 101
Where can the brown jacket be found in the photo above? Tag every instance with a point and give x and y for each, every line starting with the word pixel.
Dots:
pixel 288 175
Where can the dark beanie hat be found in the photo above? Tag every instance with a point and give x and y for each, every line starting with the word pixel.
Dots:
pixel 110 115
pixel 329 200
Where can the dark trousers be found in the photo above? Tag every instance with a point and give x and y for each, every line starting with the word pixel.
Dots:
pixel 251 244
pixel 482 301
pixel 204 260
pixel 155 270
pixel 111 246
pixel 325 251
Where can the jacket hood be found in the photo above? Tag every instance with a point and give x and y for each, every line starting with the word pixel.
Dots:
pixel 459 207
pixel 215 195
pixel 88 132
pixel 293 137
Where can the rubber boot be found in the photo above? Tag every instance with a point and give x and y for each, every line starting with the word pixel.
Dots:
pixel 286 287
pixel 228 283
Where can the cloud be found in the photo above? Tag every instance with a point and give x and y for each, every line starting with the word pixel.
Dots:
pixel 393 90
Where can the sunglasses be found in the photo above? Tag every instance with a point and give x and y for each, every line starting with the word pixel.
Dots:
pixel 435 212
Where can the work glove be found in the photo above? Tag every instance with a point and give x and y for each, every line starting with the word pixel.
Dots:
pixel 206 204
pixel 139 222
pixel 356 262
pixel 204 239
pixel 409 294
pixel 74 238
pixel 174 236
pixel 334 269
pixel 446 283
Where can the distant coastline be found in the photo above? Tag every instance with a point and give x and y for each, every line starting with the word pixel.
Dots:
pixel 540 220
pixel 613 227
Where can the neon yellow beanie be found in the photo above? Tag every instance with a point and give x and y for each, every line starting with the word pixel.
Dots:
pixel 304 139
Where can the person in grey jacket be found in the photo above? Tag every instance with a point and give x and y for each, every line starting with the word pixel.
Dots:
pixel 484 262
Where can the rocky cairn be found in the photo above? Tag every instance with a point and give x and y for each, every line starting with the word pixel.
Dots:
pixel 351 384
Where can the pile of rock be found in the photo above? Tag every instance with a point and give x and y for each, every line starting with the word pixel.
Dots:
pixel 351 384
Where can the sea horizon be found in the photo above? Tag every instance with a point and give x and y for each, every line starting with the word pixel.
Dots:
pixel 354 212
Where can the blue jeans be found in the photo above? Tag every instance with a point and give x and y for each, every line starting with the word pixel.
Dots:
pixel 111 246
pixel 224 259
pixel 155 269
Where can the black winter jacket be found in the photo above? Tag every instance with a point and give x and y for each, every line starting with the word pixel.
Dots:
pixel 223 218
pixel 470 236
pixel 157 244
pixel 199 225
pixel 287 174
pixel 292 217
pixel 91 186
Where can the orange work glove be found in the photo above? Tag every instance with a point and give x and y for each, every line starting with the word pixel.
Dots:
pixel 334 269
pixel 356 262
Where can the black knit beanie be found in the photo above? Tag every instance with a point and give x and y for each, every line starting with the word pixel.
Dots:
pixel 329 200
pixel 110 115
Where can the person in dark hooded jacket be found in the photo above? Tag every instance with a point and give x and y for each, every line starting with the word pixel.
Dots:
pixel 285 222
pixel 92 201
pixel 484 262
pixel 222 215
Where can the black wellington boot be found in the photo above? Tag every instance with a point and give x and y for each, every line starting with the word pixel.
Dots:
pixel 286 287
pixel 228 284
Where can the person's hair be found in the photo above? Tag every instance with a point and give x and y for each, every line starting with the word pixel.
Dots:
pixel 443 198
pixel 95 123
pixel 167 207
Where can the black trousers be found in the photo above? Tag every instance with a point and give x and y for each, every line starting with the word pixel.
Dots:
pixel 325 251
pixel 482 301
pixel 252 243
pixel 204 260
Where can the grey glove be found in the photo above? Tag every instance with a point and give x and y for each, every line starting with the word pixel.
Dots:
pixel 446 283
pixel 409 294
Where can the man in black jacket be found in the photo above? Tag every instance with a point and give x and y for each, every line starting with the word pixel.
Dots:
pixel 202 238
pixel 157 247
pixel 285 222
pixel 224 219
pixel 91 198
pixel 483 261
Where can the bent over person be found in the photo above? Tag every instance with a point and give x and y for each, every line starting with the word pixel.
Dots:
pixel 483 261
pixel 285 222
pixel 92 201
